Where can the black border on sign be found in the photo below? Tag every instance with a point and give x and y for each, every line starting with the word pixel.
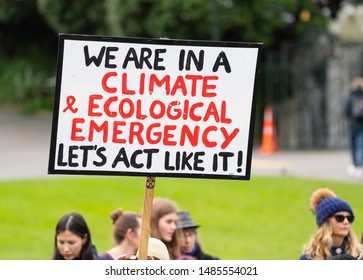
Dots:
pixel 162 41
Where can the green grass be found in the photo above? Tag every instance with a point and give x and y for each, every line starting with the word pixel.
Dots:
pixel 266 218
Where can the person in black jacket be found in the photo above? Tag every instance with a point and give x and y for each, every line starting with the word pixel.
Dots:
pixel 353 111
pixel 188 239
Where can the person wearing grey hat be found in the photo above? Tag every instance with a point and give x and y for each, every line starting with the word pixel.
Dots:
pixel 334 236
pixel 187 237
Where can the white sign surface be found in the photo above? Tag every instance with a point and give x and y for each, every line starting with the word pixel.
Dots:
pixel 154 107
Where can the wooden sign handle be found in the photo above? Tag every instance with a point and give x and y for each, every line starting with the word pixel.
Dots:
pixel 146 217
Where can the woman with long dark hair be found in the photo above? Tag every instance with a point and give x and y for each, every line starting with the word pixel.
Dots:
pixel 73 239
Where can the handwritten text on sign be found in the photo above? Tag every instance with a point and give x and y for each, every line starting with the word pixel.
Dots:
pixel 152 107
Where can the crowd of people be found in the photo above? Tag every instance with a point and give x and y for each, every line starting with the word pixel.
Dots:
pixel 174 235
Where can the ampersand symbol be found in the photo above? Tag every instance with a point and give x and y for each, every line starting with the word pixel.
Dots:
pixel 70 102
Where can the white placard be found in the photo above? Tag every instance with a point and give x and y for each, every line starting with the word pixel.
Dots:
pixel 172 108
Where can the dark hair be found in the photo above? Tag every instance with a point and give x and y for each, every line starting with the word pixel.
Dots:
pixel 122 222
pixel 75 223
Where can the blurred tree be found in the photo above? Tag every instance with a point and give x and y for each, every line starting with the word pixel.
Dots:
pixel 81 16
pixel 29 28
pixel 28 47
pixel 259 20
pixel 15 11
pixel 21 28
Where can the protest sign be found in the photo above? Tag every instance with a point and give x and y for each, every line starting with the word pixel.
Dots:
pixel 154 107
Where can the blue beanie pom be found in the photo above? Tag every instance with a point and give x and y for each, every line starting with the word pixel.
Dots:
pixel 328 207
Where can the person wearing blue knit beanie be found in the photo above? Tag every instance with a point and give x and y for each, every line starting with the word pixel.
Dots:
pixel 334 236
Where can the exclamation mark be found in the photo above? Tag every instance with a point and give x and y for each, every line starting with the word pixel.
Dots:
pixel 239 161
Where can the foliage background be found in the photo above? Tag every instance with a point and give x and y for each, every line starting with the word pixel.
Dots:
pixel 29 32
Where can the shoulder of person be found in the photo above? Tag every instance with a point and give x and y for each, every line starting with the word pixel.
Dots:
pixel 95 252
pixel 105 256
pixel 357 92
pixel 213 257
pixel 204 256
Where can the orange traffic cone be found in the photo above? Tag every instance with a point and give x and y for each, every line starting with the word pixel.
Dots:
pixel 269 139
